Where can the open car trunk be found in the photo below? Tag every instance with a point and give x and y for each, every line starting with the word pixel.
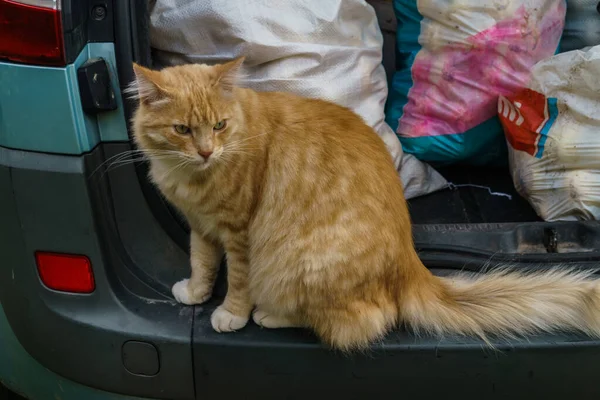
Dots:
pixel 480 221
pixel 130 336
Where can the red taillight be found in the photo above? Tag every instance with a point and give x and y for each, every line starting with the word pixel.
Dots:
pixel 31 32
pixel 65 272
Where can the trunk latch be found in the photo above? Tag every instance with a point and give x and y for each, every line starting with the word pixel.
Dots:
pixel 95 87
pixel 551 240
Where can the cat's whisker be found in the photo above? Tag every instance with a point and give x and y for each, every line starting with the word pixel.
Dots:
pixel 122 162
pixel 139 157
pixel 243 147
pixel 113 167
pixel 149 157
pixel 245 139
pixel 227 159
pixel 118 156
pixel 142 154
pixel 180 165
pixel 146 156
pixel 239 149
pixel 236 152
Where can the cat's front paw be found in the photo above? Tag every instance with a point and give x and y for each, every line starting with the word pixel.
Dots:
pixel 185 294
pixel 224 321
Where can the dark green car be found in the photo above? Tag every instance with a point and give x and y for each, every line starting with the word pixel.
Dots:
pixel 90 249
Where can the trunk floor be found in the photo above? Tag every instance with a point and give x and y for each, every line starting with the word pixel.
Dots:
pixel 473 204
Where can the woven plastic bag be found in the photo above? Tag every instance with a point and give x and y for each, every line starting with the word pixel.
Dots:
pixel 455 58
pixel 322 49
pixel 553 130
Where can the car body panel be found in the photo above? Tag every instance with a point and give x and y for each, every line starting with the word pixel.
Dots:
pixel 40 107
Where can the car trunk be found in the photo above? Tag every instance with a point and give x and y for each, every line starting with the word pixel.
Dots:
pixel 480 219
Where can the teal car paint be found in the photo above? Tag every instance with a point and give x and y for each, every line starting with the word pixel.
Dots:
pixel 40 107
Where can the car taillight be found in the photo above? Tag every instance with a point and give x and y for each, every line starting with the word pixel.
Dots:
pixel 31 32
pixel 65 272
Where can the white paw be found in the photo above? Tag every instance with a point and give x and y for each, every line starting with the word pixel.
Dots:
pixel 266 320
pixel 182 293
pixel 224 321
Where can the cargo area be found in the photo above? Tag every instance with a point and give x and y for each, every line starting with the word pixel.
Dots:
pixel 477 195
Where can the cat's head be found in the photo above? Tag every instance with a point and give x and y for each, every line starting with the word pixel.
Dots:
pixel 187 113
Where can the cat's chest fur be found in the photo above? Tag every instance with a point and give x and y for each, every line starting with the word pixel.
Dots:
pixel 198 201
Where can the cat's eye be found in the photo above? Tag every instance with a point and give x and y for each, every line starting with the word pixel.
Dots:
pixel 182 129
pixel 220 125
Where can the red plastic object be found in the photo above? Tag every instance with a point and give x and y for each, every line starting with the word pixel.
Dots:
pixel 65 272
pixel 31 34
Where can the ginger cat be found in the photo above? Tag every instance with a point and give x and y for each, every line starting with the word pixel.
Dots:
pixel 308 207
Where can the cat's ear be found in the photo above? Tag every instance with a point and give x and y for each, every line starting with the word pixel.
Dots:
pixel 228 74
pixel 147 86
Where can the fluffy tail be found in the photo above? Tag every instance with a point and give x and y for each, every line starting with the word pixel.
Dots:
pixel 505 304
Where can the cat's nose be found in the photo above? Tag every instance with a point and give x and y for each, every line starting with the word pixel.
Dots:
pixel 205 154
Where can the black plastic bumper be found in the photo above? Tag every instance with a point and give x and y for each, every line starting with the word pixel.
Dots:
pixel 50 202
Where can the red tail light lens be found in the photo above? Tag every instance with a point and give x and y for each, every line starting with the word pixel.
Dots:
pixel 31 32
pixel 65 272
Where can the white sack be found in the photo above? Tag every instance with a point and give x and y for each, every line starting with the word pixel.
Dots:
pixel 321 49
pixel 553 130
